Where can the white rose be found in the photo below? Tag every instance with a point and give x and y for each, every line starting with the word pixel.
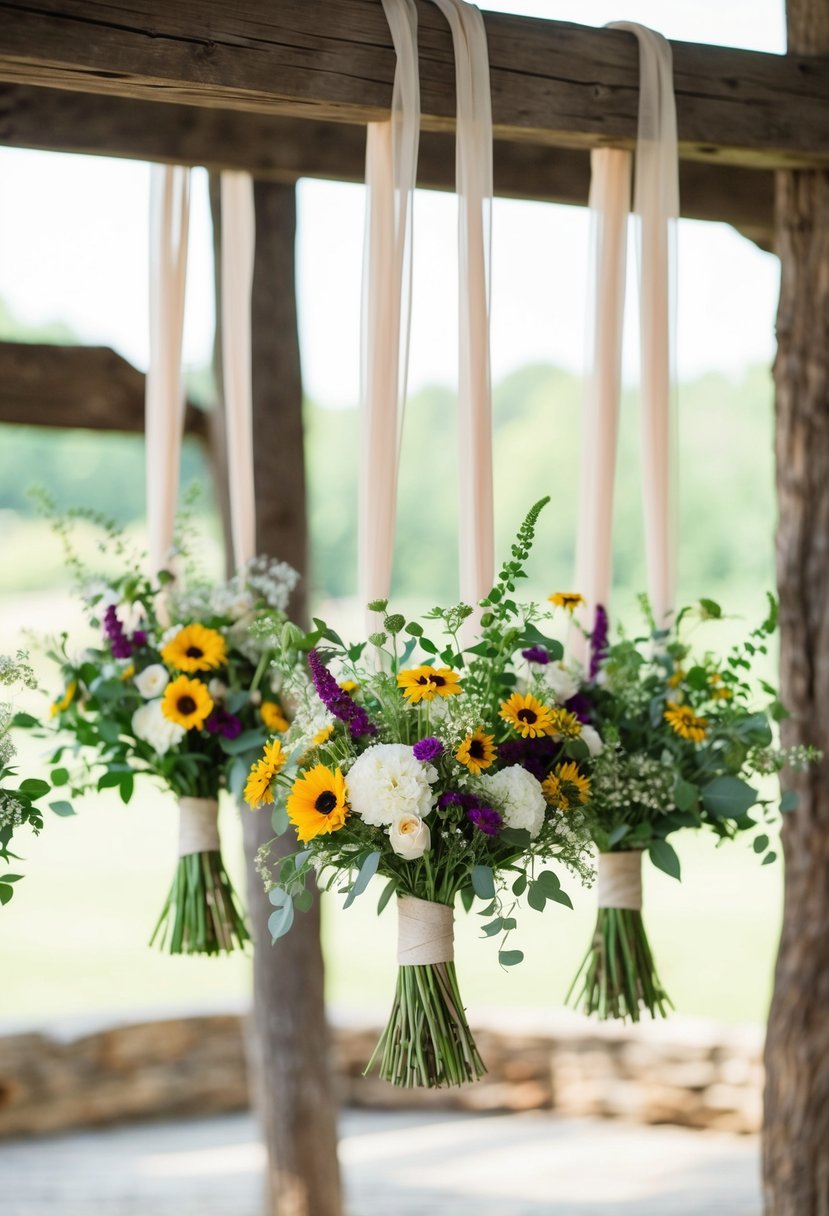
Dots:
pixel 152 681
pixel 410 837
pixel 387 782
pixel 593 739
pixel 519 797
pixel 150 725
pixel 562 681
pixel 217 689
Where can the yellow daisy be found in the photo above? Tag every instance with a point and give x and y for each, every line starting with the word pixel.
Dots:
pixel 477 751
pixel 676 677
pixel 258 787
pixel 718 690
pixel 57 707
pixel 566 788
pixel 316 804
pixel 195 648
pixel 322 736
pixel 568 600
pixel 527 715
pixel 685 722
pixel 187 702
pixel 273 717
pixel 565 725
pixel 128 672
pixel 424 683
pixel 349 685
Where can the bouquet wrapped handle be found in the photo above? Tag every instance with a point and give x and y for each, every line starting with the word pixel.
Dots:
pixel 425 932
pixel 620 880
pixel 198 826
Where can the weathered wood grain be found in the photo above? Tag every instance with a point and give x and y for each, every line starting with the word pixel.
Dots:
pixel 552 82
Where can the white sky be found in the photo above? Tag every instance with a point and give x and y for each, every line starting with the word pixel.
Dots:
pixel 73 247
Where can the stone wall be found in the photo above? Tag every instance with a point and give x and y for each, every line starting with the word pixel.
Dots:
pixel 694 1074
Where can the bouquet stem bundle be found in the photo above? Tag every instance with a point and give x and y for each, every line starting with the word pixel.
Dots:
pixel 618 977
pixel 427 1041
pixel 201 914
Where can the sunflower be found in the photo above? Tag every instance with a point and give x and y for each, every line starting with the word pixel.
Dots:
pixel 569 600
pixel 316 804
pixel 273 717
pixel 566 788
pixel 57 707
pixel 187 702
pixel 685 722
pixel 477 751
pixel 195 648
pixel 527 715
pixel 258 786
pixel 565 724
pixel 424 683
pixel 323 735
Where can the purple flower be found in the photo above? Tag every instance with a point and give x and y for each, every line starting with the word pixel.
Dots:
pixel 114 631
pixel 485 819
pixel 223 723
pixel 456 798
pixel 536 654
pixel 598 641
pixel 139 638
pixel 535 755
pixel 428 749
pixel 337 702
pixel 580 706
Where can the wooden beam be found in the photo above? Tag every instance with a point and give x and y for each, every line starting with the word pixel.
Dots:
pixel 552 82
pixel 282 149
pixel 77 386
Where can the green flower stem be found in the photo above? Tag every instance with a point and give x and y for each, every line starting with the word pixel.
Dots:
pixel 201 913
pixel 618 978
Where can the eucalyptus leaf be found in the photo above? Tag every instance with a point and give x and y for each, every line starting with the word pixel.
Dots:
pixel 509 958
pixel 664 857
pixel 62 809
pixel 483 882
pixel 728 797
pixel 364 876
pixel 280 921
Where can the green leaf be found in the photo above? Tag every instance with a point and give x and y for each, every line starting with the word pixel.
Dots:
pixel 549 882
pixel 34 787
pixel 769 858
pixel 467 895
pixel 519 838
pixel 25 721
pixel 761 843
pixel 755 729
pixel 789 801
pixel 664 857
pixel 10 877
pixel 428 646
pixel 561 897
pixel 364 876
pixel 728 797
pixel 5 893
pixel 126 787
pixel 63 809
pixel 509 958
pixel 536 897
pixel 483 882
pixel 303 900
pixel 278 896
pixel 494 926
pixel 248 741
pixel 110 732
pixel 619 832
pixel 110 779
pixel 279 820
pixel 710 608
pixel 685 794
pixel 520 885
pixel 59 776
pixel 386 894
pixel 280 921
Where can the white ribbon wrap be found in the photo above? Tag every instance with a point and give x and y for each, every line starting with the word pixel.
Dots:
pixel 656 204
pixel 198 826
pixel 425 932
pixel 620 880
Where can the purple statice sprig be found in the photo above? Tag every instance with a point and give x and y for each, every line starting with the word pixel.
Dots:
pixel 114 632
pixel 339 703
pixel 223 723
pixel 428 749
pixel 598 641
pixel 536 654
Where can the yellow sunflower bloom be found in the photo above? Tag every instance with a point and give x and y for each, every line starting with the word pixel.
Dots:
pixel 273 717
pixel 322 736
pixel 57 707
pixel 685 722
pixel 569 600
pixel 527 715
pixel 316 804
pixel 476 752
pixel 565 724
pixel 424 683
pixel 258 786
pixel 187 702
pixel 195 648
pixel 567 787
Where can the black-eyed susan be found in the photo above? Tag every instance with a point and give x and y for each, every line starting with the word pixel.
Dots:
pixel 323 735
pixel 569 600
pixel 258 788
pixel 195 648
pixel 566 787
pixel 187 703
pixel 57 707
pixel 565 724
pixel 685 722
pixel 273 717
pixel 476 752
pixel 526 714
pixel 316 804
pixel 424 683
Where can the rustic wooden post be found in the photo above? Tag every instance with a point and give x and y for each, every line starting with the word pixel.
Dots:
pixel 289 1045
pixel 796 1140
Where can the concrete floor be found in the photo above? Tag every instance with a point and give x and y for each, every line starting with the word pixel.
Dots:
pixel 401 1164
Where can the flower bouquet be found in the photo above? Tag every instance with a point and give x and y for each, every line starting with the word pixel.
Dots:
pixel 177 690
pixel 446 770
pixel 683 737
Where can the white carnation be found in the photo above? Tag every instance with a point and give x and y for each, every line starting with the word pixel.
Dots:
pixel 562 681
pixel 150 725
pixel 518 796
pixel 592 738
pixel 387 782
pixel 152 681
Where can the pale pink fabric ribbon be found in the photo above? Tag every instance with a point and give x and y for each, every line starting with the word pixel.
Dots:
pixel 656 207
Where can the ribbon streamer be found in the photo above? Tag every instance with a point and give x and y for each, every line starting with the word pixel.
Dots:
pixel 425 932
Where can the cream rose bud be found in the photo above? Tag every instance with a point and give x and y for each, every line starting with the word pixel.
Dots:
pixel 410 837
pixel 593 739
pixel 217 689
pixel 152 681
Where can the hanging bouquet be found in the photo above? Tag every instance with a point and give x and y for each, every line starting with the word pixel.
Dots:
pixel 179 688
pixel 683 738
pixel 448 771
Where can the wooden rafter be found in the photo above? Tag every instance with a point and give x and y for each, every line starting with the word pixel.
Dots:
pixel 552 83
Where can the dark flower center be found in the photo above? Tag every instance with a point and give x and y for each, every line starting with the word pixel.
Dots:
pixel 438 681
pixel 476 749
pixel 194 652
pixel 527 715
pixel 186 705
pixel 326 802
pixel 422 680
